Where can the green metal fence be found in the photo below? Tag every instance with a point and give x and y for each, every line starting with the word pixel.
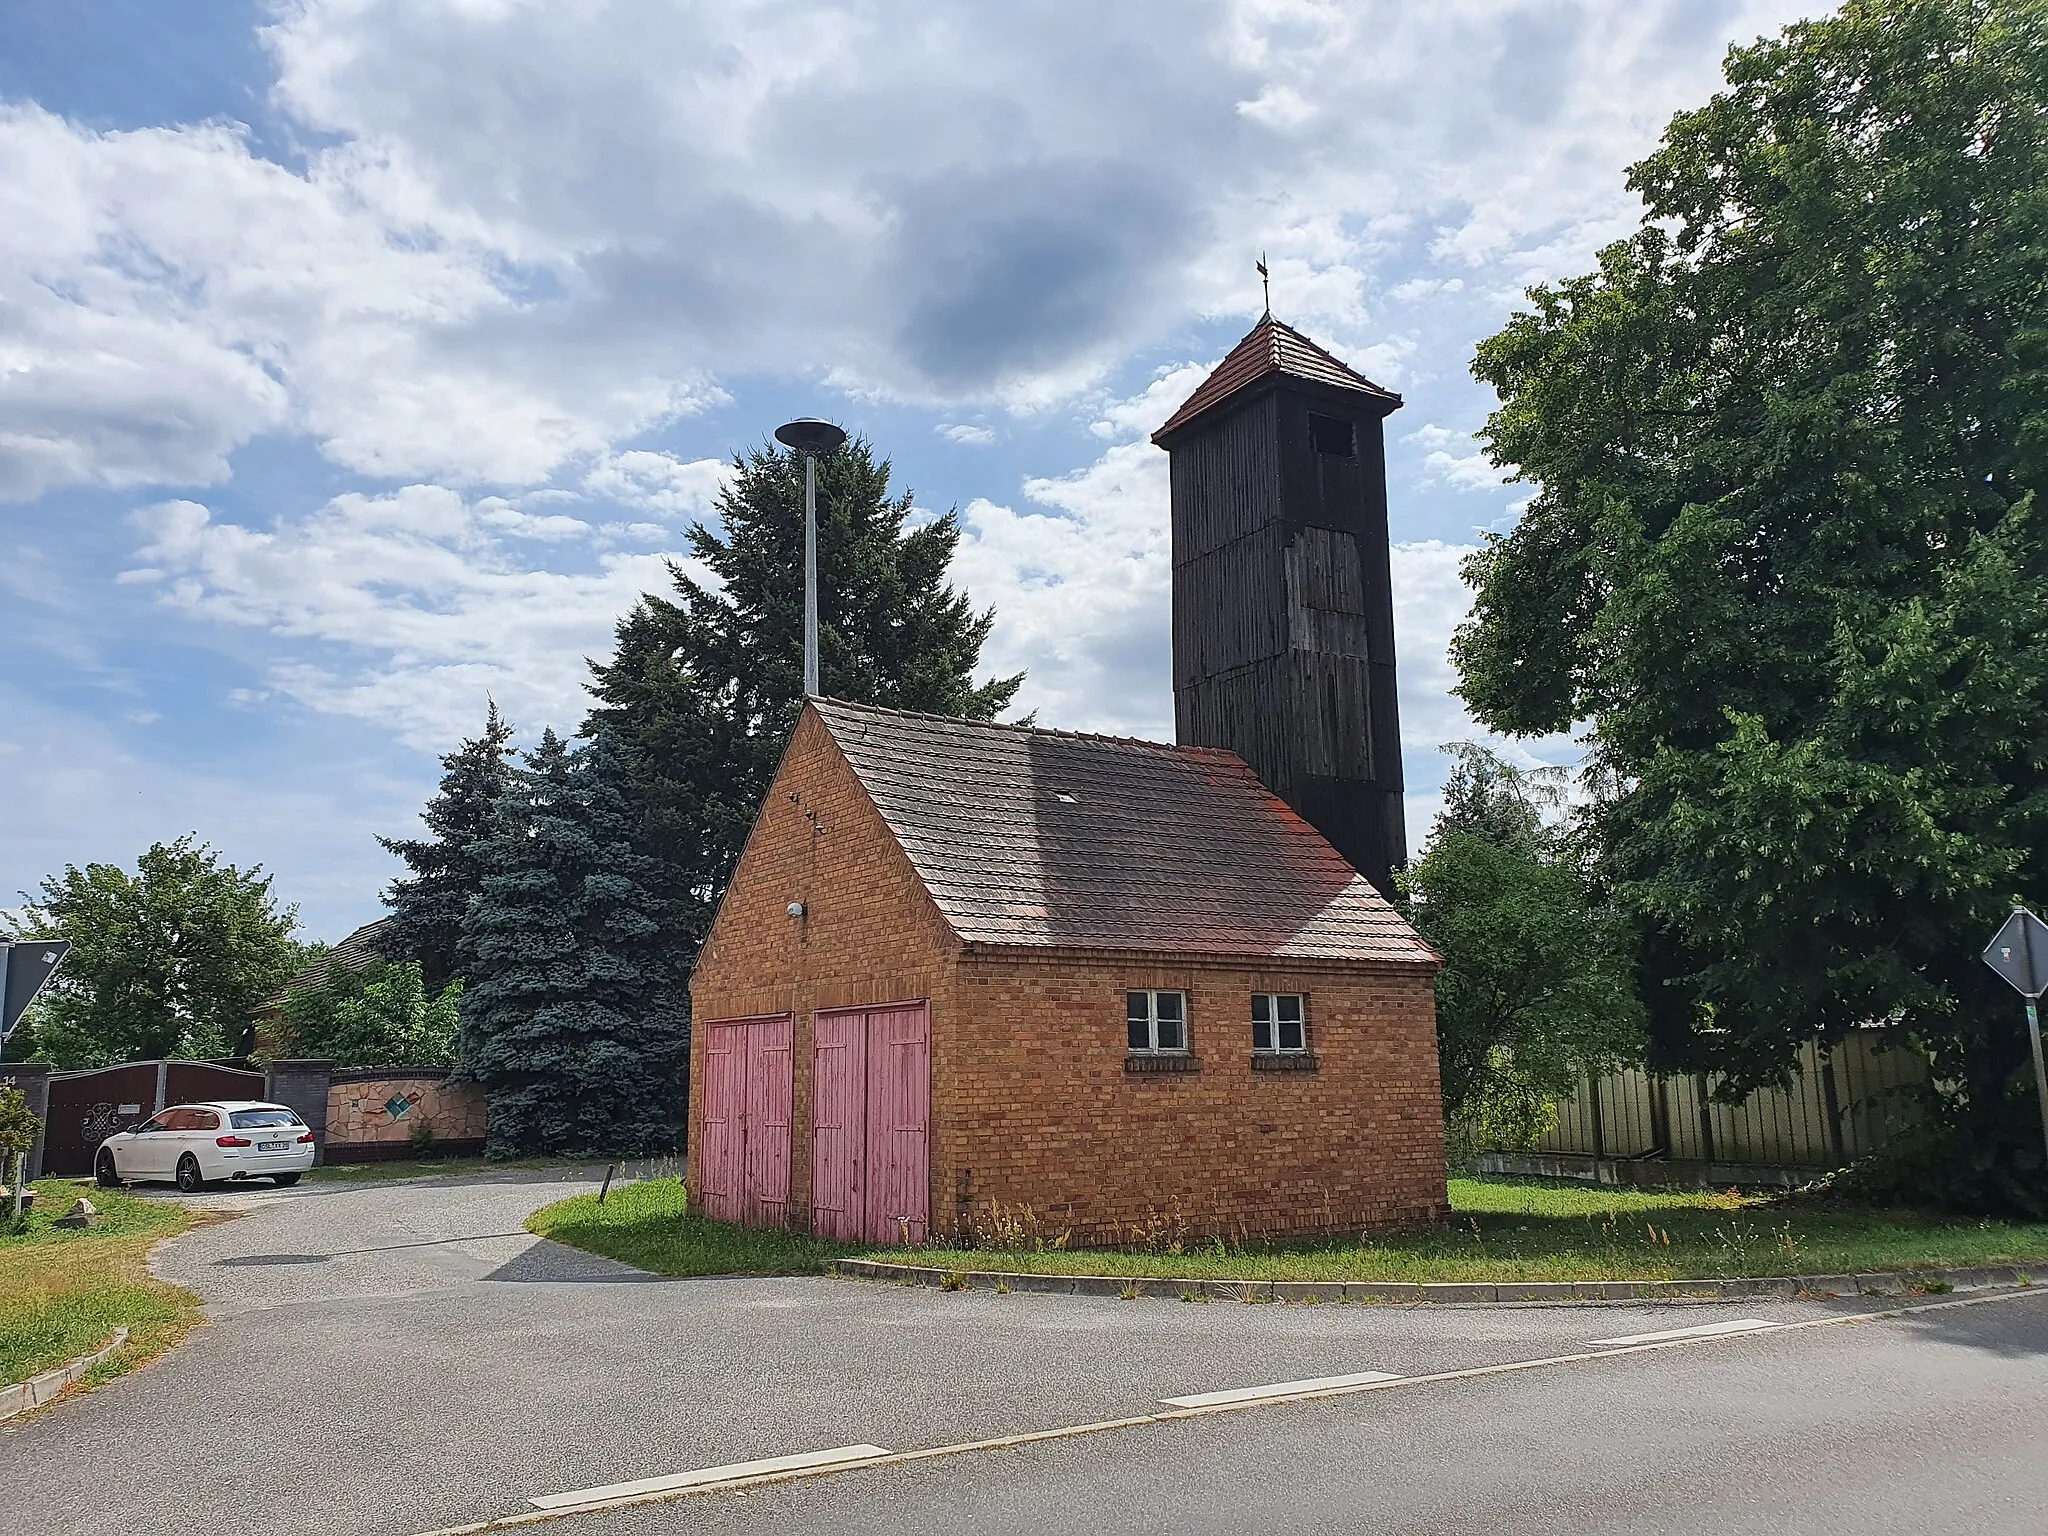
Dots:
pixel 1839 1107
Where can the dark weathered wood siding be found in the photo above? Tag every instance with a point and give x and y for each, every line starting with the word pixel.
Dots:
pixel 1283 618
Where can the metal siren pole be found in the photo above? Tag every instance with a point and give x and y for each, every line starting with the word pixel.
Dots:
pixel 2019 953
pixel 811 437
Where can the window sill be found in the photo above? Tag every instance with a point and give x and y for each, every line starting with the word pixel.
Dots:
pixel 1136 1063
pixel 1283 1061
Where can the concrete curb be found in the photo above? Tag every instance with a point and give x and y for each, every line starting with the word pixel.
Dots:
pixel 1786 1287
pixel 38 1390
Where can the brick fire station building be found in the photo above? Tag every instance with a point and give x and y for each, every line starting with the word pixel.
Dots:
pixel 1114 980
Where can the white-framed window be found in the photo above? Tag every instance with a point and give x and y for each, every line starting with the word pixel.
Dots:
pixel 1279 1023
pixel 1158 1022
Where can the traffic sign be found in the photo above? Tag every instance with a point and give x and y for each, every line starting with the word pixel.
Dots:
pixel 2020 953
pixel 24 966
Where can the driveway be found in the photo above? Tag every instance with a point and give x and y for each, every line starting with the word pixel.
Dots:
pixel 403 1357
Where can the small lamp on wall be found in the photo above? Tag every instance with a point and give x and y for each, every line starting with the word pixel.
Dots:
pixel 797 911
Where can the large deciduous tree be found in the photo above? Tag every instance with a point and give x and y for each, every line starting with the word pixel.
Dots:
pixel 575 1015
pixel 172 960
pixel 427 906
pixel 378 1015
pixel 705 685
pixel 1787 554
pixel 1536 990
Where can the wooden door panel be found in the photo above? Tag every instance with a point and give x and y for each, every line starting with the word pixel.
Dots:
pixel 898 1163
pixel 770 1085
pixel 838 1124
pixel 718 1165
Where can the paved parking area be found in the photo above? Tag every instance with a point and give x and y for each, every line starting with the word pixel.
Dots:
pixel 403 1357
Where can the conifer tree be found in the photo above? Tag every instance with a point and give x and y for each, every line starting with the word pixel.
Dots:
pixel 575 1018
pixel 427 909
pixel 705 686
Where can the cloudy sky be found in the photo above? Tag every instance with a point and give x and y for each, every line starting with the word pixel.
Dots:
pixel 360 358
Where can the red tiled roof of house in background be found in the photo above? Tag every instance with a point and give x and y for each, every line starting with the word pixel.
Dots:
pixel 1047 839
pixel 358 950
pixel 1271 348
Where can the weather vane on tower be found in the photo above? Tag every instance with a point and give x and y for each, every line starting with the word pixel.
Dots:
pixel 1266 282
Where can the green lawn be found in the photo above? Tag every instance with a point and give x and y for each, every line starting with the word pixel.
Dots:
pixel 1502 1230
pixel 62 1293
pixel 646 1225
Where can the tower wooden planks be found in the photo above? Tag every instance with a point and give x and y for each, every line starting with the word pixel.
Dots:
pixel 1283 617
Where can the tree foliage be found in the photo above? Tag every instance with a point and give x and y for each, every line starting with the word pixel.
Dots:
pixel 427 907
pixel 1536 990
pixel 705 686
pixel 19 1128
pixel 378 1015
pixel 169 961
pixel 1786 554
pixel 575 1016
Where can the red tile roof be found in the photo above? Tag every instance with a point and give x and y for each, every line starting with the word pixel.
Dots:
pixel 359 951
pixel 1048 839
pixel 1270 348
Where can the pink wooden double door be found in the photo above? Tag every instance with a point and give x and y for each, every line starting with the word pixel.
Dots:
pixel 742 1168
pixel 870 1121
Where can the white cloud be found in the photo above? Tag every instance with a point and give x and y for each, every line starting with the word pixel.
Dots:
pixel 657 482
pixel 1471 471
pixel 1081 584
pixel 1144 413
pixel 530 231
pixel 406 608
pixel 965 433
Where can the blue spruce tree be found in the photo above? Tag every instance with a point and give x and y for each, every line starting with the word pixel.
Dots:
pixel 575 1020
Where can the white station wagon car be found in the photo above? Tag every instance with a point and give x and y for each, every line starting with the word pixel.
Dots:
pixel 198 1143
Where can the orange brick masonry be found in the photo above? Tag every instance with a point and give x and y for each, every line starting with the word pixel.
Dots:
pixel 1031 1100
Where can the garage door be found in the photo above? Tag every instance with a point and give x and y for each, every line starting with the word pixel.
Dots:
pixel 870 1120
pixel 743 1167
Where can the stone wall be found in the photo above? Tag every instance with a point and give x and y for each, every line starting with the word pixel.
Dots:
pixel 373 1113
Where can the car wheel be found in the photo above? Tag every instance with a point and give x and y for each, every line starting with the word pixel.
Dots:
pixel 107 1175
pixel 285 1180
pixel 189 1179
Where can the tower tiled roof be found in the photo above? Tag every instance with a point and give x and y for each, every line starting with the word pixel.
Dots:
pixel 1049 839
pixel 1271 348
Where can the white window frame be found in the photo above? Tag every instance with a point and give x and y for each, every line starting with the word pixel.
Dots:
pixel 1151 1021
pixel 1271 1002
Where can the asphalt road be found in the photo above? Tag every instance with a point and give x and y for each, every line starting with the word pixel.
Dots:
pixel 404 1358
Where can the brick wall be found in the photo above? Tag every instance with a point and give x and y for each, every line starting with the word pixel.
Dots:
pixel 1032 1101
pixel 870 933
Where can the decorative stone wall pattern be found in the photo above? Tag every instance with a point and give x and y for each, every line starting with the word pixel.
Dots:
pixel 389 1109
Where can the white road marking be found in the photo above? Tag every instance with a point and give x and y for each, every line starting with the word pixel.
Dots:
pixel 1704 1331
pixel 808 1461
pixel 1174 1415
pixel 1277 1389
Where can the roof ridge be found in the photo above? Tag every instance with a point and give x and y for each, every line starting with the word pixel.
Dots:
pixel 1260 354
pixel 1178 749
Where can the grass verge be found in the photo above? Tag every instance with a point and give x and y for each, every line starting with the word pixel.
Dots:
pixel 63 1293
pixel 1500 1230
pixel 647 1225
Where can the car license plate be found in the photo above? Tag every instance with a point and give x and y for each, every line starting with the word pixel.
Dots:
pixel 272 1146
